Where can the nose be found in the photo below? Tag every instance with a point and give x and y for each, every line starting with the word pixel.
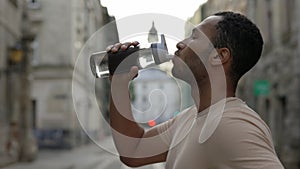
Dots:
pixel 180 45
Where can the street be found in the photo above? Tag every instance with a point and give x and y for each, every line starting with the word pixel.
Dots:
pixel 84 157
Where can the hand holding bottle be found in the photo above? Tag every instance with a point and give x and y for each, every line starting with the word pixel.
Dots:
pixel 119 58
pixel 121 49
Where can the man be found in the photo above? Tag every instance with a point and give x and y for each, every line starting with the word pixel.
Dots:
pixel 220 131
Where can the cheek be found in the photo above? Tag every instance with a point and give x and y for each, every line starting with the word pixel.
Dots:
pixel 196 65
pixel 189 63
pixel 181 67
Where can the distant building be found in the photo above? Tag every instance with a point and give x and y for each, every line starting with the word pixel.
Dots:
pixel 152 35
pixel 11 66
pixel 40 41
pixel 272 88
pixel 156 96
pixel 65 28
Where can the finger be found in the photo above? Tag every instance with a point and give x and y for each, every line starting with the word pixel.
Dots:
pixel 108 48
pixel 135 43
pixel 125 45
pixel 116 47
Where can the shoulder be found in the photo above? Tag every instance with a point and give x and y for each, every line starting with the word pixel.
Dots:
pixel 239 117
pixel 244 138
pixel 241 129
pixel 240 125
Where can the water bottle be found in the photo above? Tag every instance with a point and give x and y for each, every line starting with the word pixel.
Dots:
pixel 104 64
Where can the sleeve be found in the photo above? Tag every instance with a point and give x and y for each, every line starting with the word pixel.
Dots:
pixel 243 142
pixel 165 131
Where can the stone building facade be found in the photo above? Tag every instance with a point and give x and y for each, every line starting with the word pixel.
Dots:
pixel 65 28
pixel 40 43
pixel 272 88
pixel 11 56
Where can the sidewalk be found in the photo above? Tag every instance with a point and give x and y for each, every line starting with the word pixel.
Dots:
pixel 83 157
pixel 5 160
pixel 89 156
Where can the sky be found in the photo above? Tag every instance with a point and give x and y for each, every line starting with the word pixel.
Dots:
pixel 181 9
pixel 166 14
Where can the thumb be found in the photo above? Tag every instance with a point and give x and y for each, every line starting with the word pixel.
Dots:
pixel 133 72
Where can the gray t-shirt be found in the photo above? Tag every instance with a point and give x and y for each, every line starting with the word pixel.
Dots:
pixel 228 135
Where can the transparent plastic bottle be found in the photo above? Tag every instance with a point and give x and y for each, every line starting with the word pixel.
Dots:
pixel 103 64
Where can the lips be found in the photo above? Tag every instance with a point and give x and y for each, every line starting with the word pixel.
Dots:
pixel 176 57
pixel 176 53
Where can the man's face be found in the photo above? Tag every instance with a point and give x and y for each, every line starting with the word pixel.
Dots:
pixel 192 54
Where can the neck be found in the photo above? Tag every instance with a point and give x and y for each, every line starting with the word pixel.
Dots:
pixel 204 94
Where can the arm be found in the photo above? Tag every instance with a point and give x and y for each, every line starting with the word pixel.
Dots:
pixel 128 136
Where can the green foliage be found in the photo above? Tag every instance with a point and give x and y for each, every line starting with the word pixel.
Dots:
pixel 132 92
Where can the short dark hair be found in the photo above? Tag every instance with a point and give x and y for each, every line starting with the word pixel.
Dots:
pixel 242 37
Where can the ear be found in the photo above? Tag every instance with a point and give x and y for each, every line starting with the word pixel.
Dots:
pixel 222 56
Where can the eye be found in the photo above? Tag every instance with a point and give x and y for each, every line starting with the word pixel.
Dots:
pixel 194 34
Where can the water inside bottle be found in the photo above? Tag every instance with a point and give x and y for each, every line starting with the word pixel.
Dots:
pixel 156 54
pixel 99 64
